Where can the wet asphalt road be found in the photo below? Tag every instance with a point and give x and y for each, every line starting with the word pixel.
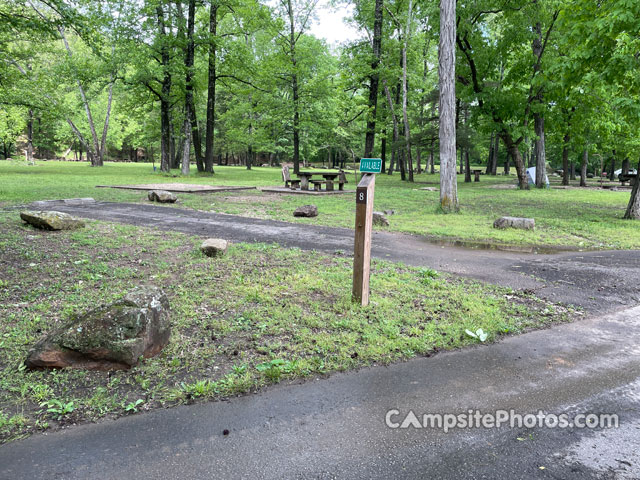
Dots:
pixel 335 427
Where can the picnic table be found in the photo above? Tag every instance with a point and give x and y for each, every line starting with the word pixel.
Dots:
pixel 329 179
pixel 628 177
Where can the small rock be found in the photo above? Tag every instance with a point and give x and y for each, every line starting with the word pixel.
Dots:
pixel 214 247
pixel 111 337
pixel 429 189
pixel 389 212
pixel 51 220
pixel 515 222
pixel 162 196
pixel 380 219
pixel 306 211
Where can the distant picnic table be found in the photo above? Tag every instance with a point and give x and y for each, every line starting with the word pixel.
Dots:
pixel 306 178
pixel 628 177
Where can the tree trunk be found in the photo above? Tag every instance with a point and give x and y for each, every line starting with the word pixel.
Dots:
pixel 374 80
pixel 583 168
pixel 383 149
pixel 95 155
pixel 496 151
pixel 211 89
pixel 490 158
pixel 165 105
pixel 432 167
pixel 565 160
pixel 467 166
pixel 189 106
pixel 29 153
pixel 633 209
pixel 612 175
pixel 394 151
pixel 541 160
pixel 405 117
pixel 538 117
pixel 294 89
pixel 186 151
pixel 572 171
pixel 447 134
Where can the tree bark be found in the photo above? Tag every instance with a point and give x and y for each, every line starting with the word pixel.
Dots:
pixel 294 89
pixel 190 113
pixel 583 168
pixel 29 153
pixel 565 159
pixel 211 88
pixel 467 166
pixel 541 160
pixel 490 159
pixel 374 80
pixel 496 151
pixel 165 105
pixel 633 208
pixel 405 117
pixel 612 175
pixel 394 148
pixel 447 110
pixel 383 150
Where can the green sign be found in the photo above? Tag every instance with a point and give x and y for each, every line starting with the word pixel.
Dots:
pixel 370 165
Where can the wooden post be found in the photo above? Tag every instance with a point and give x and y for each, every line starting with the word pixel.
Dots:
pixel 362 248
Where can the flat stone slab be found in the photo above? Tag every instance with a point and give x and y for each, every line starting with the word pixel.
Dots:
pixel 302 192
pixel 65 201
pixel 178 187
pixel 51 220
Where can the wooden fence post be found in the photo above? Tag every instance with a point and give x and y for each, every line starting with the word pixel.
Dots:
pixel 362 244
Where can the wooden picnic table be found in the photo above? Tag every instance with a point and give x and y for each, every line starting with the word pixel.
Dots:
pixel 329 179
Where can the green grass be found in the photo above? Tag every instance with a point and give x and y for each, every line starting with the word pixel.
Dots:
pixel 256 316
pixel 577 218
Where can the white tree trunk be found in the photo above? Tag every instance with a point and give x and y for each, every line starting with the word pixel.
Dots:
pixel 447 75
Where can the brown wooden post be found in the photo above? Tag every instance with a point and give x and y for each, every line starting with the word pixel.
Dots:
pixel 362 248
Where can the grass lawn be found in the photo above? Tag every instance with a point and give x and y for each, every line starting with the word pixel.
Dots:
pixel 578 218
pixel 258 315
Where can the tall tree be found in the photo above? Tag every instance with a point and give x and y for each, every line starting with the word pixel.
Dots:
pixel 374 80
pixel 447 75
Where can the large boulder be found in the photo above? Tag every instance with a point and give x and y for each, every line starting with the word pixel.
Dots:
pixel 111 337
pixel 214 247
pixel 162 196
pixel 306 211
pixel 51 220
pixel 380 219
pixel 515 222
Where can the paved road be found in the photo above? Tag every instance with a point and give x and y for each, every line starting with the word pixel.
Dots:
pixel 600 281
pixel 335 427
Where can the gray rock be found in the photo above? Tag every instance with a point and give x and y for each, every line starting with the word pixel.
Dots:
pixel 515 222
pixel 306 211
pixel 111 337
pixel 51 220
pixel 214 247
pixel 380 219
pixel 162 196
pixel 429 189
